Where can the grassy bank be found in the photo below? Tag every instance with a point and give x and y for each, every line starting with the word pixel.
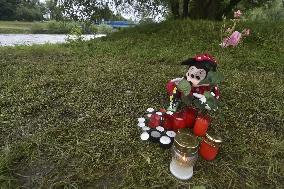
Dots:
pixel 51 27
pixel 16 27
pixel 68 114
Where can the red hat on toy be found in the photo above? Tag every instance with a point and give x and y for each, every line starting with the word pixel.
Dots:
pixel 205 61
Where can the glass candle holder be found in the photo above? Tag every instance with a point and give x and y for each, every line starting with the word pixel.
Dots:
pixel 184 155
pixel 209 146
pixel 201 125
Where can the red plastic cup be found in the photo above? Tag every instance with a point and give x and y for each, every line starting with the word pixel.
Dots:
pixel 178 122
pixel 189 116
pixel 155 120
pixel 201 125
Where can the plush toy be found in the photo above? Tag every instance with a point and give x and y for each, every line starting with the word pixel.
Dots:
pixel 199 86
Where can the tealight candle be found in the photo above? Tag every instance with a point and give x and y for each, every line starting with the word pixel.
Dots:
pixel 141 120
pixel 184 155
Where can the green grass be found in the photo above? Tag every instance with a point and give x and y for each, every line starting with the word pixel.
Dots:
pixel 17 27
pixel 68 114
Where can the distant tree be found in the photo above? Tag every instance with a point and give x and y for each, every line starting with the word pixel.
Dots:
pixel 54 9
pixel 21 10
pixel 179 9
pixel 8 9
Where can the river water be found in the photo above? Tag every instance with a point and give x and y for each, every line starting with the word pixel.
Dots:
pixel 31 39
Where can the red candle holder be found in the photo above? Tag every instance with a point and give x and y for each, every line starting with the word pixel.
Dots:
pixel 201 125
pixel 168 121
pixel 178 122
pixel 189 115
pixel 209 147
pixel 155 121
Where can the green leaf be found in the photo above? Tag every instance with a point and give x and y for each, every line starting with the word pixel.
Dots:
pixel 187 100
pixel 184 87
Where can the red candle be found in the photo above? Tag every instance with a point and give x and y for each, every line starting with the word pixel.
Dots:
pixel 189 115
pixel 201 125
pixel 155 120
pixel 168 121
pixel 178 122
pixel 209 147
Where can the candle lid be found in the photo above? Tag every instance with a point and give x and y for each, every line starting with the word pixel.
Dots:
pixel 186 143
pixel 212 136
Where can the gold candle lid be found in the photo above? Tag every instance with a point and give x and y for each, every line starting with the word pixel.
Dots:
pixel 186 143
pixel 212 136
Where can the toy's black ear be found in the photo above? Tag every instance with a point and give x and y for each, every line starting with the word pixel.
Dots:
pixel 189 61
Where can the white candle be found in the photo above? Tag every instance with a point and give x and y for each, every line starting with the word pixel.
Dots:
pixel 180 171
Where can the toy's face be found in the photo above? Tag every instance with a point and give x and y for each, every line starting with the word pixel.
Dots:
pixel 195 75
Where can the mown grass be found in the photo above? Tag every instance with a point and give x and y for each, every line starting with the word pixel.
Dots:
pixel 68 114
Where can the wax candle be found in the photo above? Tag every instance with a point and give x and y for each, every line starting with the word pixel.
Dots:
pixel 178 122
pixel 201 125
pixel 184 155
pixel 189 115
pixel 209 146
pixel 168 120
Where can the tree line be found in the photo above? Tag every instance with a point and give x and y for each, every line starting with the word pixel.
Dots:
pixel 96 10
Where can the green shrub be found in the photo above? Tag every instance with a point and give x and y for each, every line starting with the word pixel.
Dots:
pixel 39 28
pixel 269 12
pixel 104 29
pixel 61 27
pixel 28 14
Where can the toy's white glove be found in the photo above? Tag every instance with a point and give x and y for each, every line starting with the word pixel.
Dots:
pixel 207 107
pixel 201 97
pixel 197 95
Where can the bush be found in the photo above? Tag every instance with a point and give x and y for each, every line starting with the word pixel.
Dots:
pixel 270 12
pixel 39 28
pixel 28 14
pixel 104 29
pixel 61 27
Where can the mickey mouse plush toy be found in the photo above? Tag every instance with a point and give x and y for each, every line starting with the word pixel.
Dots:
pixel 201 67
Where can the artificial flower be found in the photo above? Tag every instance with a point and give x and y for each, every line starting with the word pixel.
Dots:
pixel 237 14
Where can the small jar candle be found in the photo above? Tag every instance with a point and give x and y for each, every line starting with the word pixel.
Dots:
pixel 178 122
pixel 168 120
pixel 184 155
pixel 201 125
pixel 209 146
pixel 189 115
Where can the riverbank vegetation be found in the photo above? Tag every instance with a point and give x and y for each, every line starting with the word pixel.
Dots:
pixel 68 112
pixel 52 27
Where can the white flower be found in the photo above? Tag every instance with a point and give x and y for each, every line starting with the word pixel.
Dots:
pixel 213 94
pixel 150 110
pixel 159 113
pixel 169 112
